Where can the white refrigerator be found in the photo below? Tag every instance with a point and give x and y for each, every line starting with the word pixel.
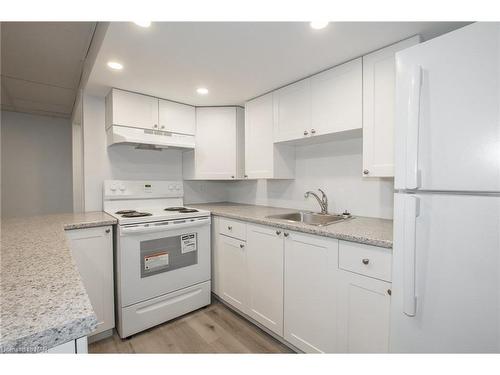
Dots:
pixel 446 256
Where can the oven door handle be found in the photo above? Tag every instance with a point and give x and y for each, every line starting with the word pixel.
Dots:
pixel 131 230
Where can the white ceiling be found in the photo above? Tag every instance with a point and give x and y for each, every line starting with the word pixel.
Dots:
pixel 42 64
pixel 235 61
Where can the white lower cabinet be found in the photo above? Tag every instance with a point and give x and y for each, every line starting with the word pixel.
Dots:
pixel 265 276
pixel 293 284
pixel 233 279
pixel 92 250
pixel 310 307
pixel 78 346
pixel 363 314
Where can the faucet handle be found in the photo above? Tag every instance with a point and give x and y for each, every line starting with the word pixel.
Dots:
pixel 324 198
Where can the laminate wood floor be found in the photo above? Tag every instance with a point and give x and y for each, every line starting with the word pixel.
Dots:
pixel 213 329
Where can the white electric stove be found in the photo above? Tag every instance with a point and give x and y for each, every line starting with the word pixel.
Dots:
pixel 162 255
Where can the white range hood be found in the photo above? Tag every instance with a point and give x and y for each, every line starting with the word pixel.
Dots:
pixel 148 138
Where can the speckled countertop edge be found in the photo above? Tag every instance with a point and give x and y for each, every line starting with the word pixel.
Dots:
pixel 365 230
pixel 43 301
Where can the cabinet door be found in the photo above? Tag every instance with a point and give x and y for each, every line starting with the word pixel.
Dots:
pixel 336 99
pixel 310 312
pixel 92 249
pixel 66 348
pixel 292 111
pixel 259 137
pixel 363 315
pixel 176 117
pixel 233 267
pixel 265 276
pixel 215 153
pixel 131 109
pixel 379 85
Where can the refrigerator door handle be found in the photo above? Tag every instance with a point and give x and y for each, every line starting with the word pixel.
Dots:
pixel 412 175
pixel 409 255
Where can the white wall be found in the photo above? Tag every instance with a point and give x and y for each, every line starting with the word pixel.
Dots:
pixel 334 167
pixel 36 165
pixel 126 163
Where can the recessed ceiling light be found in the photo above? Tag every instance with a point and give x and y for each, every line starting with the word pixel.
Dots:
pixel 317 25
pixel 202 90
pixel 115 65
pixel 143 23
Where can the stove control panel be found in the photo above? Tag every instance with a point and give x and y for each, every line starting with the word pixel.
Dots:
pixel 113 189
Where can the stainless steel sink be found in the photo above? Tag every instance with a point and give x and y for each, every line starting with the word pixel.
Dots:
pixel 311 218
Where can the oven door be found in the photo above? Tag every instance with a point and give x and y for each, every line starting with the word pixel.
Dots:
pixel 158 258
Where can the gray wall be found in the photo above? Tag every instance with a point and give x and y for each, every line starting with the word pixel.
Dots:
pixel 36 165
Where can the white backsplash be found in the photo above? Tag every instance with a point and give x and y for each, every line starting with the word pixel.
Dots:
pixel 334 167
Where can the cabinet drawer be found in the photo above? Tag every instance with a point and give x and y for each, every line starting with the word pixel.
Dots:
pixel 365 260
pixel 233 228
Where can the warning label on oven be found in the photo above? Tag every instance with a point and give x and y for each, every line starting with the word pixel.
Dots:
pixel 188 243
pixel 155 261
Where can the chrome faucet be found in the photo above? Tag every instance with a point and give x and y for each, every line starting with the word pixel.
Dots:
pixel 323 201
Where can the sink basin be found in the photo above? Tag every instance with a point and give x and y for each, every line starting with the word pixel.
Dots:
pixel 311 218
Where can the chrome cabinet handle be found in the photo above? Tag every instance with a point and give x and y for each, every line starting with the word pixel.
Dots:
pixel 246 176
pixel 306 132
pixel 313 131
pixel 389 292
pixel 163 126
pixel 229 227
pixel 286 234
pixel 241 246
pixel 278 232
pixel 366 261
pixel 232 176
pixel 108 230
pixel 366 171
pixel 155 126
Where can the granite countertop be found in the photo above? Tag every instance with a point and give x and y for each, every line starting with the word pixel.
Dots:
pixel 43 302
pixel 366 230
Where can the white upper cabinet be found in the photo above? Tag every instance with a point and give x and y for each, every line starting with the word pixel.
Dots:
pixel 177 118
pixel 336 99
pixel 326 103
pixel 219 151
pixel 130 109
pixel 264 158
pixel 292 111
pixel 379 84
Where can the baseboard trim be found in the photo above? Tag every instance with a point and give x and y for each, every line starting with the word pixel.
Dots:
pixel 100 336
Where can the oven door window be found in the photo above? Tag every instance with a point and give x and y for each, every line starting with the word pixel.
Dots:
pixel 168 254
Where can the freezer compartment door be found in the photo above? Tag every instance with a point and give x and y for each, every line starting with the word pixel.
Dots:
pixel 447 133
pixel 446 274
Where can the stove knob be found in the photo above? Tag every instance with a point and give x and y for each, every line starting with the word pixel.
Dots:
pixel 170 187
pixel 178 188
pixel 112 188
pixel 122 188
